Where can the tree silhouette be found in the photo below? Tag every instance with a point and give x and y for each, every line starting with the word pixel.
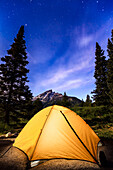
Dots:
pixel 101 91
pixel 15 95
pixel 110 69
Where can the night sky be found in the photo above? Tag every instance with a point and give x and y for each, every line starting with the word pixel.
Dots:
pixel 60 39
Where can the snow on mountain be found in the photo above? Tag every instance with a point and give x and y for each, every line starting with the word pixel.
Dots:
pixel 50 96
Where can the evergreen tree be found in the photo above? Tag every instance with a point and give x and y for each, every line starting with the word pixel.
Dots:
pixel 36 107
pixel 82 103
pixel 15 95
pixel 65 101
pixel 101 92
pixel 88 101
pixel 65 97
pixel 110 69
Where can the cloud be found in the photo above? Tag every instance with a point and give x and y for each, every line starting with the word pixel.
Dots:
pixel 44 48
pixel 71 84
pixel 81 37
pixel 40 55
pixel 85 40
pixel 63 78
pixel 75 68
pixel 64 73
pixel 40 52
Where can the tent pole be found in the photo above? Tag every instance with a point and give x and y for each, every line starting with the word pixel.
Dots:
pixel 41 132
pixel 79 138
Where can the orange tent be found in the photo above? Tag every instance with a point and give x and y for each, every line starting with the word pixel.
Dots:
pixel 58 132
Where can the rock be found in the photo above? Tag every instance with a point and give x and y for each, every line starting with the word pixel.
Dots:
pixel 14 135
pixel 63 164
pixel 2 136
pixel 49 97
pixel 13 159
pixel 8 135
pixel 4 145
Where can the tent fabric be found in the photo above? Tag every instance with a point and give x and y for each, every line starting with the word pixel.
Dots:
pixel 58 132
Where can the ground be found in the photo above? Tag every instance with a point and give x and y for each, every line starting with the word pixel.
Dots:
pixel 14 159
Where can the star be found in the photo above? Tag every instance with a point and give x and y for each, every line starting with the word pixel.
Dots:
pixel 26 25
pixel 97 2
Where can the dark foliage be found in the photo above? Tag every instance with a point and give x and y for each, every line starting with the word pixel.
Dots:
pixel 15 96
pixel 88 101
pixel 110 69
pixel 36 107
pixel 101 92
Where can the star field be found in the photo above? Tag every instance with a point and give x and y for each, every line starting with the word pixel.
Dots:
pixel 60 38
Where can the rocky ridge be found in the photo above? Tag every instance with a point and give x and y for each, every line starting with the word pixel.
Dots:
pixel 49 97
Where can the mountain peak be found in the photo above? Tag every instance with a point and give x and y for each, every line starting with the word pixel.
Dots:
pixel 49 97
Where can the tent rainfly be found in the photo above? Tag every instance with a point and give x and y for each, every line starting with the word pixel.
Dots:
pixel 58 132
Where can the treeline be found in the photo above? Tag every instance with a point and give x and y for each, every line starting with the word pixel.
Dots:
pixel 16 97
pixel 103 93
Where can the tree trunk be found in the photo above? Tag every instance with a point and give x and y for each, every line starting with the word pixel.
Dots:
pixel 7 116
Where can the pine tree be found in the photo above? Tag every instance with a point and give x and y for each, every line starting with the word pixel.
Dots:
pixel 88 101
pixel 14 93
pixel 110 68
pixel 101 92
pixel 65 102
pixel 82 103
pixel 36 107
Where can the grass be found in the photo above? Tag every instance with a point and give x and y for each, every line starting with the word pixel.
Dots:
pixel 100 119
pixel 13 127
pixel 105 133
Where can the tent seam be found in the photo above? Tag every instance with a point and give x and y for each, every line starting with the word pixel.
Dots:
pixel 79 138
pixel 41 132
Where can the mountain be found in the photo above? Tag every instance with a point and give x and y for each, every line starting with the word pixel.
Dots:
pixel 49 97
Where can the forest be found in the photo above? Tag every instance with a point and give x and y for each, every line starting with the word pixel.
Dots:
pixel 17 106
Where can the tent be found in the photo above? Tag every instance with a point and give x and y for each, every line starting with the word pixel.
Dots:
pixel 58 132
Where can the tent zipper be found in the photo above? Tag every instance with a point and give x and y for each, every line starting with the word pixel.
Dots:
pixel 79 138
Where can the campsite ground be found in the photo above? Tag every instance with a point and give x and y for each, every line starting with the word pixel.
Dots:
pixel 16 160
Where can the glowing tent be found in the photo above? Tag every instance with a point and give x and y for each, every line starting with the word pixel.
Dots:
pixel 58 132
